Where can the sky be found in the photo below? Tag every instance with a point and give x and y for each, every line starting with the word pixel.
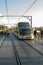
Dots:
pixel 18 7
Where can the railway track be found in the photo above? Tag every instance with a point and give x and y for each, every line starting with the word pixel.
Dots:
pixel 30 46
pixel 7 49
pixel 2 41
pixel 19 52
pixel 16 53
pixel 34 48
pixel 25 49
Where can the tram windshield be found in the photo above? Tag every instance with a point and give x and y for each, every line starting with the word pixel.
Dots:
pixel 24 28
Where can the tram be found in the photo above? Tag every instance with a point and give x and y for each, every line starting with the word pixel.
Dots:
pixel 24 31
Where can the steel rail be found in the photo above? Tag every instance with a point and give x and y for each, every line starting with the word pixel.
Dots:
pixel 2 42
pixel 34 48
pixel 30 46
pixel 16 53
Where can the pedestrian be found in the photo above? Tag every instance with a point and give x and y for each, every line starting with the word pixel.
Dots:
pixel 35 33
pixel 41 33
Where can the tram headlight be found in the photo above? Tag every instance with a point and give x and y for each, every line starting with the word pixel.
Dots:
pixel 32 36
pixel 18 34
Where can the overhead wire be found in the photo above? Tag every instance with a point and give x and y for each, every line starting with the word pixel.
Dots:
pixel 6 10
pixel 6 7
pixel 11 16
pixel 30 6
pixel 17 15
pixel 28 9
